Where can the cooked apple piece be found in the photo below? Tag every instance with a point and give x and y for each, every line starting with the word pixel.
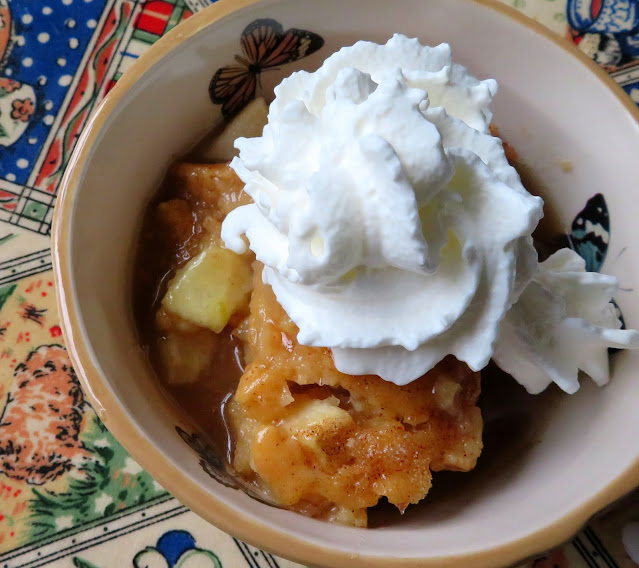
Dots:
pixel 313 422
pixel 185 356
pixel 249 123
pixel 210 288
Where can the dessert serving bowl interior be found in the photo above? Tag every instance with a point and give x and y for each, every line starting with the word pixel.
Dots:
pixel 577 135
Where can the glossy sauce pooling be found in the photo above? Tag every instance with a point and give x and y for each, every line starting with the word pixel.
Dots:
pixel 185 213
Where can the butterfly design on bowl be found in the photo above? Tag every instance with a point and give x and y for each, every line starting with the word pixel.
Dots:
pixel 590 233
pixel 589 237
pixel 265 46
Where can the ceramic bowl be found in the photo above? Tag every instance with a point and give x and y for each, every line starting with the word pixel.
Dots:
pixel 578 135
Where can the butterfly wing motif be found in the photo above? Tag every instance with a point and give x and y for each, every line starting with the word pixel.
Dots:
pixel 590 233
pixel 232 87
pixel 213 465
pixel 589 237
pixel 265 45
pixel 210 462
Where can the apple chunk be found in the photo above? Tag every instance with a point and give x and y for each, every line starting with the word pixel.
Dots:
pixel 210 288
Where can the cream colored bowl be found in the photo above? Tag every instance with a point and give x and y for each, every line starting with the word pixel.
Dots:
pixel 553 105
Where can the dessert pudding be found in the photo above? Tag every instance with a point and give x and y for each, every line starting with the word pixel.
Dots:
pixel 307 436
pixel 323 304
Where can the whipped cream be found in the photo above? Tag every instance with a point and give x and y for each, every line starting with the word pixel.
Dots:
pixel 391 226
pixel 563 322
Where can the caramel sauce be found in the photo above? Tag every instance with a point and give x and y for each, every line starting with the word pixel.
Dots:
pixel 204 402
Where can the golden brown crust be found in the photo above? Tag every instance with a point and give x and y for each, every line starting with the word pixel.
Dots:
pixel 332 444
pixel 214 186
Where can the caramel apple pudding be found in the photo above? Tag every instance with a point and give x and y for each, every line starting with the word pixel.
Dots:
pixel 323 302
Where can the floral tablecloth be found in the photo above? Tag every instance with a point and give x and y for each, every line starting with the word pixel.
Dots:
pixel 58 59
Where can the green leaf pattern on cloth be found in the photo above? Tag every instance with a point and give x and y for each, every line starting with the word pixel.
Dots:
pixel 102 486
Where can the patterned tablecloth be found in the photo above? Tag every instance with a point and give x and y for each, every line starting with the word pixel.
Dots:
pixel 58 59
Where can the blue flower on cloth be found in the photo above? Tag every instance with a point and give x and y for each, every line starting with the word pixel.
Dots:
pixel 176 549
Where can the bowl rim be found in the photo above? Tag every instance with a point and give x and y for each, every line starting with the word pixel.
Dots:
pixel 185 489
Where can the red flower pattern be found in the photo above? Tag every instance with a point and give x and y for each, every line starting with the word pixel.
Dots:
pixel 22 109
pixel 55 331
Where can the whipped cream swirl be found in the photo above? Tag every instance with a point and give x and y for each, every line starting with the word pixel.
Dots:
pixel 394 231
pixel 391 226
